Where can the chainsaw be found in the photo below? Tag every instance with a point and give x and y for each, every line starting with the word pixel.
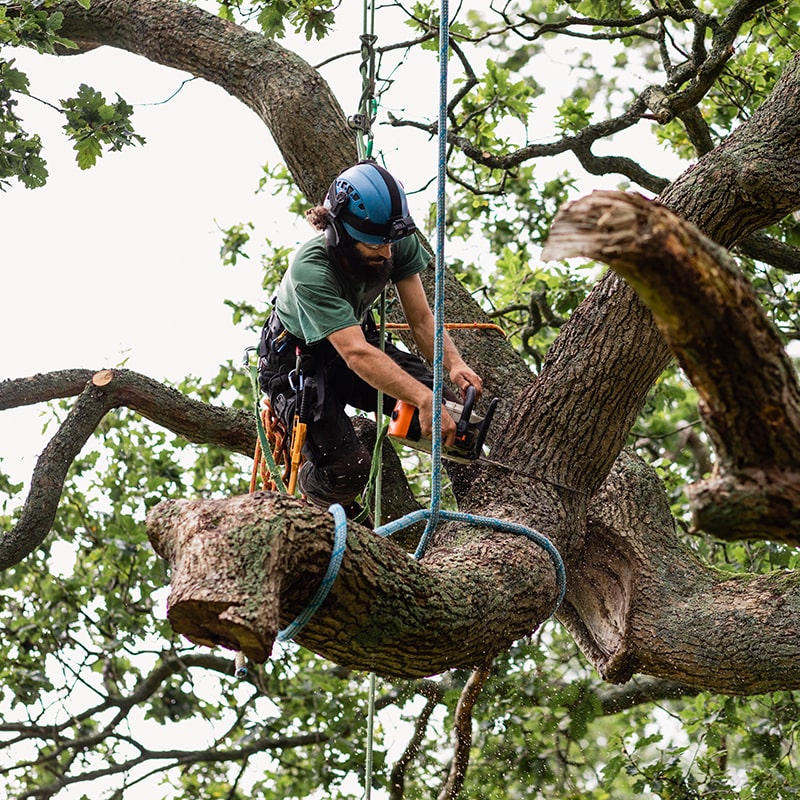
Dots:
pixel 470 428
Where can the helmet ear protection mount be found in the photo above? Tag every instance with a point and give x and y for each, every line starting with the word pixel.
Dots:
pixel 334 202
pixel 369 211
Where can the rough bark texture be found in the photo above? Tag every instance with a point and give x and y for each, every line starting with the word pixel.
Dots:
pixel 713 322
pixel 643 602
pixel 637 600
pixel 245 567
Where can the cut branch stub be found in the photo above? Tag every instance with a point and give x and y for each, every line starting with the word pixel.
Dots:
pixel 713 322
pixel 244 567
pixel 753 503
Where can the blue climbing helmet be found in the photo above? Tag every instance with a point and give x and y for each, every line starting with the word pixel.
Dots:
pixel 369 204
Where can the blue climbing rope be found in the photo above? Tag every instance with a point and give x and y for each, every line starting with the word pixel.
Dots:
pixel 434 513
pixel 438 298
pixel 337 555
pixel 487 522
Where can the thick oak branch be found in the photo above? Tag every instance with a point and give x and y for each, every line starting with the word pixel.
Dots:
pixel 244 567
pixel 712 320
pixel 642 602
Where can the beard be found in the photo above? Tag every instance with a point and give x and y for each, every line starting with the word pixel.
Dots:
pixel 369 270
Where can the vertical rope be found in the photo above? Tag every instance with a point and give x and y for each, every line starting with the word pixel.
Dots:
pixel 377 467
pixel 438 303
pixel 367 104
pixel 377 454
pixel 370 738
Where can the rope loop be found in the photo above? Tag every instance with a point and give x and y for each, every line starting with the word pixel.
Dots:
pixel 486 522
pixel 337 556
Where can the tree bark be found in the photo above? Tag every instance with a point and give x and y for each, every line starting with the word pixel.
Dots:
pixel 642 602
pixel 244 567
pixel 713 322
pixel 639 600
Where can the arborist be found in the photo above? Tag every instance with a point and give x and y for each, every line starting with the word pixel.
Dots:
pixel 320 349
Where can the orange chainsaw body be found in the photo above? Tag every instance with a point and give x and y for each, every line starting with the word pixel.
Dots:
pixel 470 428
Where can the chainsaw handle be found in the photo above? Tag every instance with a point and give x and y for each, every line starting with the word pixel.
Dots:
pixel 469 401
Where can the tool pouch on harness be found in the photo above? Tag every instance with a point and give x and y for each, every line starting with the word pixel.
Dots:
pixel 284 376
pixel 278 367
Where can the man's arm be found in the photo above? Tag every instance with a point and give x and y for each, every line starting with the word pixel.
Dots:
pixel 420 319
pixel 378 370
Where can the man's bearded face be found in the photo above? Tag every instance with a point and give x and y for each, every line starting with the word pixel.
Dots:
pixel 368 264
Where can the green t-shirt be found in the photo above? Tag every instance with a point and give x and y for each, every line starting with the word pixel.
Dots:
pixel 315 299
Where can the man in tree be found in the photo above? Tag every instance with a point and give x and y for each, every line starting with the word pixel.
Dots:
pixel 322 314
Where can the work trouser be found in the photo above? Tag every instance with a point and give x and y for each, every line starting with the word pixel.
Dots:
pixel 337 464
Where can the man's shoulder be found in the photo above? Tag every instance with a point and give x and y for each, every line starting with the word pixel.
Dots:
pixel 410 258
pixel 312 254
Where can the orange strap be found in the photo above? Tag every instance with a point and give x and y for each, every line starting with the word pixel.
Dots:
pixel 485 326
pixel 275 432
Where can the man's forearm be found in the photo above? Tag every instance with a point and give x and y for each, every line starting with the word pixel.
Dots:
pixel 424 339
pixel 380 372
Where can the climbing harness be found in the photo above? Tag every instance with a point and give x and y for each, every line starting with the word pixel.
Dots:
pixel 272 443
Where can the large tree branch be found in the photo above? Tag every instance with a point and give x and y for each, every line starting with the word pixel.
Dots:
pixel 712 320
pixel 778 254
pixel 237 577
pixel 246 566
pixel 575 419
pixel 108 389
pixel 650 606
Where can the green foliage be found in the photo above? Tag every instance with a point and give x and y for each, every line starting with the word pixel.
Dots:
pixel 92 123
pixel 34 25
pixel 574 114
pixel 312 18
pixel 20 153
pixel 92 677
pixel 233 242
pixel 279 182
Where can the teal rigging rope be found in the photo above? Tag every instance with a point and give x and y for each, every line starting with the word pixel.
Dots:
pixel 438 301
pixel 337 555
pixel 433 514
pixel 495 524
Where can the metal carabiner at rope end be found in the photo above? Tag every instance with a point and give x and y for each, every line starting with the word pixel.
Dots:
pixel 246 355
